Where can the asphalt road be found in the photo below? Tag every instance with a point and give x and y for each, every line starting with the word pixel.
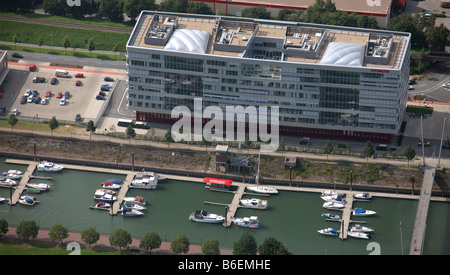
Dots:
pixel 431 86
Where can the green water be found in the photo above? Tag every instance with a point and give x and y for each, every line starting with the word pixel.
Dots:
pixel 292 217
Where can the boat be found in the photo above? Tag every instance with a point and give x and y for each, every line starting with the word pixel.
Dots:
pixel 112 186
pixel 136 200
pixel 206 217
pixel 359 234
pixel 255 203
pixel 363 212
pixel 135 206
pixel 249 222
pixel 262 189
pixel 131 212
pixel 114 181
pixel 147 180
pixel 360 228
pixel 331 196
pixel 47 166
pixel 27 200
pixel 103 196
pixel 328 232
pixel 362 196
pixel 8 182
pixel 33 191
pixel 2 199
pixel 102 205
pixel 13 176
pixel 331 216
pixel 107 191
pixel 334 204
pixel 39 186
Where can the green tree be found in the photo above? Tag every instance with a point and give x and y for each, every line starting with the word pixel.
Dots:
pixel 53 124
pixel 168 137
pixel 368 150
pixel 41 41
pixel 58 233
pixel 112 10
pixel 90 236
pixel 174 5
pixel 180 244
pixel 406 23
pixel 328 149
pixel 211 247
pixel 120 238
pixel 90 127
pixel 256 12
pixel 150 241
pixel 55 7
pixel 15 38
pixel 437 37
pixel 409 153
pixel 27 230
pixel 246 245
pixel 12 120
pixel 3 227
pixel 272 246
pixel 131 133
pixel 91 46
pixel 66 43
pixel 199 8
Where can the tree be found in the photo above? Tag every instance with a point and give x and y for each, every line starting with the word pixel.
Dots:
pixel 211 247
pixel 91 46
pixel 41 41
pixel 12 120
pixel 246 245
pixel 328 149
pixel 112 9
pixel 90 128
pixel 180 244
pixel 168 137
pixel 199 8
pixel 27 230
pixel 53 124
pixel 90 236
pixel 120 238
pixel 406 23
pixel 58 233
pixel 174 5
pixel 256 12
pixel 131 133
pixel 272 246
pixel 133 8
pixel 409 153
pixel 437 37
pixel 150 241
pixel 282 145
pixel 368 150
pixel 3 227
pixel 15 38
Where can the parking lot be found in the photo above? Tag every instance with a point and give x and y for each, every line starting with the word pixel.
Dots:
pixel 81 100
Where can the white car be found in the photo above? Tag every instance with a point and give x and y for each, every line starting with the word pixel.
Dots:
pixel 28 92
pixel 15 112
pixel 44 101
pixel 62 102
pixel 446 85
pixel 30 99
pixel 411 87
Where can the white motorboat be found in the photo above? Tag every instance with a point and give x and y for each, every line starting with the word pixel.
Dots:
pixel 360 228
pixel 103 196
pixel 47 166
pixel 147 180
pixel 362 196
pixel 262 189
pixel 255 203
pixel 331 216
pixel 363 212
pixel 27 200
pixel 112 186
pixel 115 181
pixel 334 204
pixel 131 212
pixel 8 182
pixel 135 206
pixel 329 232
pixel 136 200
pixel 102 205
pixel 39 186
pixel 206 217
pixel 251 222
pixel 12 174
pixel 359 234
pixel 2 199
pixel 331 196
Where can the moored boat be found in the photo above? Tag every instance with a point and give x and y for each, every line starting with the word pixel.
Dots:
pixel 112 186
pixel 328 232
pixel 102 205
pixel 360 228
pixel 2 199
pixel 359 235
pixel 249 222
pixel 331 216
pixel 8 182
pixel 334 204
pixel 131 212
pixel 27 200
pixel 47 166
pixel 331 196
pixel 136 200
pixel 206 217
pixel 363 212
pixel 262 189
pixel 39 186
pixel 362 196
pixel 103 196
pixel 147 180
pixel 114 181
pixel 135 206
pixel 12 174
pixel 255 203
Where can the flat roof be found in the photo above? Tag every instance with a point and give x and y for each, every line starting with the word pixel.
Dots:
pixel 265 39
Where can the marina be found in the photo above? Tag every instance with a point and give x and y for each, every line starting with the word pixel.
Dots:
pixel 177 197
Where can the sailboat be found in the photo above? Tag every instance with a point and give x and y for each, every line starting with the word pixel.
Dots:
pixel 261 189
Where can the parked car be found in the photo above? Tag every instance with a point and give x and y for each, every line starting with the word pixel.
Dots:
pixel 48 93
pixel 78 83
pixel 59 95
pixel 30 99
pixel 79 75
pixel 44 101
pixel 53 81
pixel 102 93
pixel 67 95
pixel 37 100
pixel 109 79
pixel 2 110
pixel 23 100
pixel 411 87
pixel 15 111
pixel 100 97
pixel 27 92
pixel 35 93
pixel 78 118
pixel 32 68
pixel 62 102
pixel 446 85
pixel 17 55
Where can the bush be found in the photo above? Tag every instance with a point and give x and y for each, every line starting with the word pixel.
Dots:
pixel 419 109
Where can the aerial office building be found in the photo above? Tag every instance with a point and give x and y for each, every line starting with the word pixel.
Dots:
pixel 329 82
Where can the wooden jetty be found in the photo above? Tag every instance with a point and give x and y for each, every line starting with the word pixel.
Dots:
pixel 22 184
pixel 115 207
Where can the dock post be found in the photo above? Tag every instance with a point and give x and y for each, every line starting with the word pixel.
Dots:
pixel 132 161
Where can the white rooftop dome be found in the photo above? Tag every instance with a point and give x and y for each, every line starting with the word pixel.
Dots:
pixel 184 40
pixel 340 53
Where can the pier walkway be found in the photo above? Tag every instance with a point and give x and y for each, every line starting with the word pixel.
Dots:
pixel 22 184
pixel 122 193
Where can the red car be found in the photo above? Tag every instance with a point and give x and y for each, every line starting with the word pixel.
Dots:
pixel 32 68
pixel 48 93
pixel 79 75
pixel 59 95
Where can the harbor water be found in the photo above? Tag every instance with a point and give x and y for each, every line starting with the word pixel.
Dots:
pixel 292 217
